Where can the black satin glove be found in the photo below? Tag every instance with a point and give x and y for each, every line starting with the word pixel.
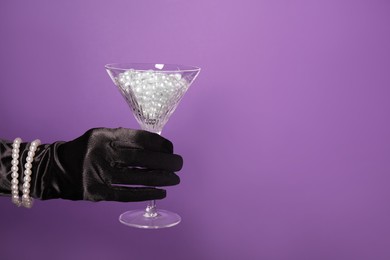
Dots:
pixel 96 165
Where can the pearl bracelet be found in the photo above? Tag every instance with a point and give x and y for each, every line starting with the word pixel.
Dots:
pixel 14 170
pixel 27 201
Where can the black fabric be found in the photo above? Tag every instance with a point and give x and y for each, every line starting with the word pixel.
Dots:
pixel 102 164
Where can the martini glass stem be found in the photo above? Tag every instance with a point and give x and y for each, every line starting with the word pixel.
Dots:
pixel 151 210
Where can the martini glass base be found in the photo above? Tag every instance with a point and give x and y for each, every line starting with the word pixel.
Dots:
pixel 138 219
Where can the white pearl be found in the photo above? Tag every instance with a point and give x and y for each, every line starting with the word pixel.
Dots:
pixel 30 154
pixel 26 191
pixel 16 202
pixel 25 197
pixel 15 187
pixel 27 178
pixel 15 156
pixel 28 203
pixel 15 197
pixel 29 159
pixel 14 175
pixel 26 185
pixel 28 165
pixel 35 142
pixel 27 172
pixel 15 162
pixel 14 168
pixel 177 76
pixel 14 181
pixel 15 192
pixel 15 150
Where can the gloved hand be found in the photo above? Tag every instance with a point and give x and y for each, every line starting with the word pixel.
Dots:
pixel 92 166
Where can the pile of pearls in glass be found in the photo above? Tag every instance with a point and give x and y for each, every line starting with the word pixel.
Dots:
pixel 153 94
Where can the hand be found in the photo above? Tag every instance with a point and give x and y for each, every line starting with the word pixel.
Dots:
pixel 96 165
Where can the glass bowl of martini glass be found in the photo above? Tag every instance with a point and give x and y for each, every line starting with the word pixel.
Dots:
pixel 152 91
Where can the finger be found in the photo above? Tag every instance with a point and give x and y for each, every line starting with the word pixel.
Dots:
pixel 147 159
pixel 127 194
pixel 124 194
pixel 146 177
pixel 141 139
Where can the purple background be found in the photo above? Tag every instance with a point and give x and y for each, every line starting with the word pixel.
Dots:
pixel 285 133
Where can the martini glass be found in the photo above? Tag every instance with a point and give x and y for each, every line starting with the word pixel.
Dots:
pixel 153 92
